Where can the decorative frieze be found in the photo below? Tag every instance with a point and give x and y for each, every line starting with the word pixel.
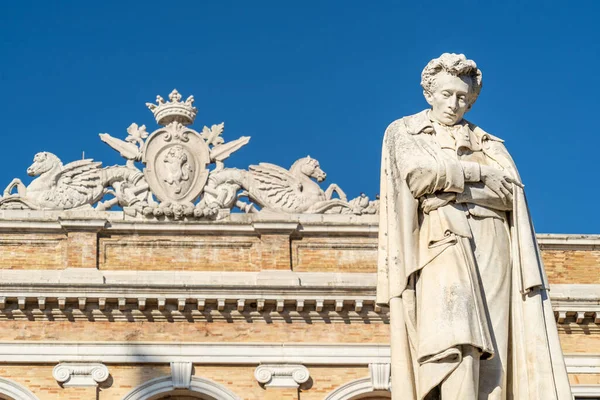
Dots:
pixel 80 373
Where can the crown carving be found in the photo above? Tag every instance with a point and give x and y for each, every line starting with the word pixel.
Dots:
pixel 166 112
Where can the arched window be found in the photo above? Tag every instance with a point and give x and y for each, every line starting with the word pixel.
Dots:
pixel 360 389
pixel 162 389
pixel 10 390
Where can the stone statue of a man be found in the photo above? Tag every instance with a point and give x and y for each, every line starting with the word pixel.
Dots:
pixel 459 264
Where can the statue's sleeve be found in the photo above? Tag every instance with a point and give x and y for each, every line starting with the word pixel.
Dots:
pixel 478 193
pixel 423 167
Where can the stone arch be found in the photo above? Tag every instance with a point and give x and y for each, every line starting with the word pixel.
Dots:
pixel 163 386
pixel 13 391
pixel 358 389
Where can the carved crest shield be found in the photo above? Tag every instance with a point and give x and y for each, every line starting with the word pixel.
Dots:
pixel 176 158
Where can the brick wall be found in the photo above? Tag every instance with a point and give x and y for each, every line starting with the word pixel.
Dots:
pixel 572 266
pixel 236 253
pixel 277 332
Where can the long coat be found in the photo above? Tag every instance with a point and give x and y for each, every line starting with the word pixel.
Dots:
pixel 412 168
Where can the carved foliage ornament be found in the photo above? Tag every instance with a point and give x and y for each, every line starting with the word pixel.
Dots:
pixel 182 176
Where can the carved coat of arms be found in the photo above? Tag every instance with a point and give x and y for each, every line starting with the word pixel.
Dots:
pixel 183 176
pixel 176 160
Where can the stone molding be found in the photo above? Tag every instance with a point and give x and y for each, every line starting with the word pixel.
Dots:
pixel 51 280
pixel 82 225
pixel 282 228
pixel 205 353
pixel 281 375
pixel 583 363
pixel 38 221
pixel 568 241
pixel 585 391
pixel 15 391
pixel 164 385
pixel 80 374
pixel 225 353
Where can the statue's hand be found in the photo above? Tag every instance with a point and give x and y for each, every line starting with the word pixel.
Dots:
pixel 499 182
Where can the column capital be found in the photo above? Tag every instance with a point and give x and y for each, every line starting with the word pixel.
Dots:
pixel 80 374
pixel 281 375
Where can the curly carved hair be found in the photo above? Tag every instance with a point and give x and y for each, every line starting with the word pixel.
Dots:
pixel 454 64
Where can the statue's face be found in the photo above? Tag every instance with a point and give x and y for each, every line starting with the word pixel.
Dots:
pixel 449 99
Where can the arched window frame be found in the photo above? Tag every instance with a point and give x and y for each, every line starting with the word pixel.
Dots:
pixel 164 385
pixel 15 390
pixel 378 382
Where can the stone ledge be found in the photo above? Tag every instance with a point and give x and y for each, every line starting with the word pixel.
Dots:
pixel 224 353
pixel 198 353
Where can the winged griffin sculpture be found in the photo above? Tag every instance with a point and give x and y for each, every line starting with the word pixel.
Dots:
pixel 276 189
pixel 175 181
pixel 74 185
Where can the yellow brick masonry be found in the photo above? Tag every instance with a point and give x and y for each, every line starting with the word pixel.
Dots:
pixel 235 253
pixel 239 332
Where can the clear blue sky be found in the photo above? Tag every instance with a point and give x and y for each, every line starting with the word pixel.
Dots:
pixel 319 78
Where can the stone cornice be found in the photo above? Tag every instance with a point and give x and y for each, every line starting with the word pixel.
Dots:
pixel 299 305
pixel 40 294
pixel 568 242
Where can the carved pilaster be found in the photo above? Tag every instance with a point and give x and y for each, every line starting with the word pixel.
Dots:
pixel 82 244
pixel 275 245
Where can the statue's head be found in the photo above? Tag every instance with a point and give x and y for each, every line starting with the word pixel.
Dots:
pixel 451 84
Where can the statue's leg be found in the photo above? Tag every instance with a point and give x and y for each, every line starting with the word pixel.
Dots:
pixel 492 254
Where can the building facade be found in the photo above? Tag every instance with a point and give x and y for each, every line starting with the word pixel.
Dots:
pixel 96 306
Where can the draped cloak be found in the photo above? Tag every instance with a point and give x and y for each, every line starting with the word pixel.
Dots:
pixel 412 168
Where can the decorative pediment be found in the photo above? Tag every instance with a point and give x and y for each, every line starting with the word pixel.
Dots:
pixel 178 173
